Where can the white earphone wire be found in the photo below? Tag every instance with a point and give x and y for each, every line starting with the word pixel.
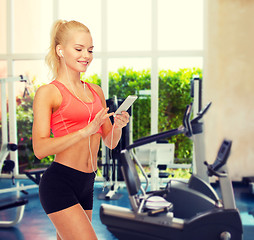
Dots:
pixel 90 112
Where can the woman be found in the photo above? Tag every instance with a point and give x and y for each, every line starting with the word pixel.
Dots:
pixel 76 114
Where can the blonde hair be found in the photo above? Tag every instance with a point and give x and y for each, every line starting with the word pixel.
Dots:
pixel 59 33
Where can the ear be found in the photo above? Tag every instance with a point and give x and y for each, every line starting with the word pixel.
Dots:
pixel 59 51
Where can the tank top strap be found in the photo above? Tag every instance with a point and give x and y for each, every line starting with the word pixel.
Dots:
pixel 90 87
pixel 59 85
pixel 93 91
pixel 63 90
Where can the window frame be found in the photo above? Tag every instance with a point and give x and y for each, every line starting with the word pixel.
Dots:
pixel 104 55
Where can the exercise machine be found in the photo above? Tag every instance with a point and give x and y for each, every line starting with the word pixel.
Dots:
pixel 111 167
pixel 11 135
pixel 249 181
pixel 8 166
pixel 189 128
pixel 9 131
pixel 197 213
pixel 142 222
pixel 158 156
pixel 223 222
pixel 8 154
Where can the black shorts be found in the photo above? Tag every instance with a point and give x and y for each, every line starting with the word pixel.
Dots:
pixel 62 187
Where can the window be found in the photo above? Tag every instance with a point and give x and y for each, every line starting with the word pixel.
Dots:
pixel 3 69
pixel 143 34
pixel 35 70
pixel 180 25
pixel 129 25
pixel 31 24
pixel 86 11
pixel 176 63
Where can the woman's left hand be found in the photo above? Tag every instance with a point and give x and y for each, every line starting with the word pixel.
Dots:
pixel 121 120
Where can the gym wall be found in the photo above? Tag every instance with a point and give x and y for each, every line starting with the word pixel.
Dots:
pixel 229 82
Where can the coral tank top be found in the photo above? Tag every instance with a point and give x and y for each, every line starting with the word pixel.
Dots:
pixel 73 114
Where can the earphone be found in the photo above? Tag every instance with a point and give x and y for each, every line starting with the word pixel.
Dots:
pixel 61 53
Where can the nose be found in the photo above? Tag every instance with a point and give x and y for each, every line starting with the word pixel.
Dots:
pixel 85 54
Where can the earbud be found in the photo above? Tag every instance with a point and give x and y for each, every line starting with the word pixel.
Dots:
pixel 61 53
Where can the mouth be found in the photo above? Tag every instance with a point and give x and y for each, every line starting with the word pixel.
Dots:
pixel 85 63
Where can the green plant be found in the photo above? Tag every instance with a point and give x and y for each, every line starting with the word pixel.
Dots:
pixel 24 129
pixel 129 82
pixel 174 95
pixel 179 173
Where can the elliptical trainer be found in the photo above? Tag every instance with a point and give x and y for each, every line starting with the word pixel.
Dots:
pixel 158 215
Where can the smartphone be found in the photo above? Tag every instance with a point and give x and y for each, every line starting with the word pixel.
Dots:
pixel 126 104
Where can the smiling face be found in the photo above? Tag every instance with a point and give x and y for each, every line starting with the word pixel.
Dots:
pixel 77 51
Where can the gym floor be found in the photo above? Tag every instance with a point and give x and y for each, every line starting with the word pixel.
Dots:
pixel 35 224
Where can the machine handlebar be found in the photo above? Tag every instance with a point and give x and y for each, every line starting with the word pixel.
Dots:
pixel 220 161
pixel 12 147
pixel 188 128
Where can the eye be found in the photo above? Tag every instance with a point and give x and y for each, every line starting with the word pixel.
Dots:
pixel 78 49
pixel 90 51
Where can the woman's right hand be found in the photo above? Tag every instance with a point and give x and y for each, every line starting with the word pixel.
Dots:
pixel 94 126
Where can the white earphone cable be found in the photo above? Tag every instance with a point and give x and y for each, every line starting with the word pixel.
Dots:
pixel 111 150
pixel 90 113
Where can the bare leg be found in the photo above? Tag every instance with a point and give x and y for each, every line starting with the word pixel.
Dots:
pixel 89 214
pixel 73 223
